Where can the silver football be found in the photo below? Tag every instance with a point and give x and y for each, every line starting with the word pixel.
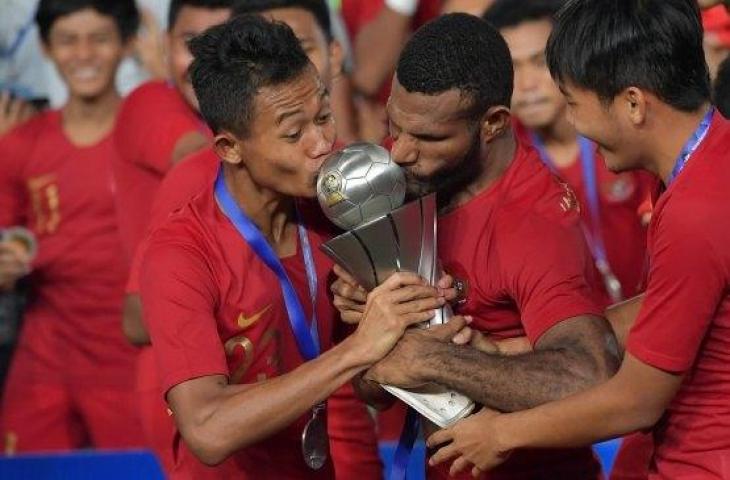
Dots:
pixel 358 184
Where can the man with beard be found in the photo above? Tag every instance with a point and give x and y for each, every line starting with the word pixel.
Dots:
pixel 508 230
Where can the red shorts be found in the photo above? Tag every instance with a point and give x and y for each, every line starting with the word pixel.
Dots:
pixel 58 414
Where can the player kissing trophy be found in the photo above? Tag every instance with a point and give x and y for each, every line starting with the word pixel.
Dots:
pixel 362 190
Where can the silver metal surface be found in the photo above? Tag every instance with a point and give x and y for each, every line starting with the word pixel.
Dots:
pixel 315 440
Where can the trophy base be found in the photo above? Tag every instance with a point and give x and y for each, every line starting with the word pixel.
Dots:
pixel 437 404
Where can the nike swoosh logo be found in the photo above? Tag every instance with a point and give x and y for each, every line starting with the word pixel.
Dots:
pixel 245 322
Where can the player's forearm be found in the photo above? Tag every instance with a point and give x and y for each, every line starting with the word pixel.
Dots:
pixel 376 49
pixel 511 383
pixel 242 415
pixel 372 393
pixel 605 411
pixel 622 317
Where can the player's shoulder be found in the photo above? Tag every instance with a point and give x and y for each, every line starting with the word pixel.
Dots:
pixel 188 225
pixel 153 97
pixel 34 127
pixel 20 143
pixel 151 90
pixel 534 196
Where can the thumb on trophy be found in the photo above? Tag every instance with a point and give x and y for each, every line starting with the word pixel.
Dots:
pixel 456 330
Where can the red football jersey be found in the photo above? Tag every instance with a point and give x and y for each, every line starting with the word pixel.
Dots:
pixel 684 323
pixel 352 437
pixel 214 308
pixel 152 120
pixel 520 249
pixel 620 198
pixel 65 195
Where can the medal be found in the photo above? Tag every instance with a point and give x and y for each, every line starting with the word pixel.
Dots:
pixel 315 441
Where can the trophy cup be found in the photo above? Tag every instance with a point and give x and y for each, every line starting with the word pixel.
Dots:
pixel 361 190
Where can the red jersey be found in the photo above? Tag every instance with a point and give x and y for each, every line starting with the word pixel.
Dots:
pixel 520 249
pixel 214 308
pixel 65 195
pixel 620 200
pixel 684 323
pixel 152 120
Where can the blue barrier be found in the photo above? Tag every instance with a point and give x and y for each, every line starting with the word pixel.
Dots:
pixel 82 465
pixel 142 464
pixel 606 453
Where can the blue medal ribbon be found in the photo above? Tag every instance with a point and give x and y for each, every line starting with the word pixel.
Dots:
pixel 306 335
pixel 405 445
pixel 691 145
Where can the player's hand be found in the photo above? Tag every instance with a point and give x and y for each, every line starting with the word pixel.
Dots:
pixel 399 367
pixel 471 443
pixel 14 264
pixel 403 300
pixel 349 296
pixel 13 112
pixel 149 46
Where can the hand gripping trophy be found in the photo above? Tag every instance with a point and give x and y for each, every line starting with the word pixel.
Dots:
pixel 362 190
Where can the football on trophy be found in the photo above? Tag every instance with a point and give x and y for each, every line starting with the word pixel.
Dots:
pixel 358 184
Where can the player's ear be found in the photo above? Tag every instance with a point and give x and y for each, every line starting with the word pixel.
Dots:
pixel 635 104
pixel 227 148
pixel 495 122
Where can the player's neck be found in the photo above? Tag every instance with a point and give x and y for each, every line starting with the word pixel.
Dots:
pixel 671 130
pixel 495 158
pixel 86 121
pixel 561 142
pixel 272 212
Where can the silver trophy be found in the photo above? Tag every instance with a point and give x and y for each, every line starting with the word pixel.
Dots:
pixel 362 190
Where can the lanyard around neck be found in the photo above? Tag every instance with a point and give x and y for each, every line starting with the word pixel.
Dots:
pixel 306 336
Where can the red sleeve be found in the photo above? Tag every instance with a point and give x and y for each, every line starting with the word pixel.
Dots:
pixel 547 265
pixel 12 191
pixel 684 289
pixel 179 297
pixel 151 122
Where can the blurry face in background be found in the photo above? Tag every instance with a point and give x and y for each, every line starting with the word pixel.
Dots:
pixel 191 21
pixel 536 101
pixel 86 48
pixel 312 39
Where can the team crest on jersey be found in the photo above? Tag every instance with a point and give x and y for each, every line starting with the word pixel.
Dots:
pixel 569 201
pixel 619 190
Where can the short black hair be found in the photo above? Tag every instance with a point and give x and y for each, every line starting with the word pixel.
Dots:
pixel 606 46
pixel 124 13
pixel 177 5
pixel 458 51
pixel 318 9
pixel 510 13
pixel 234 60
pixel 721 91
